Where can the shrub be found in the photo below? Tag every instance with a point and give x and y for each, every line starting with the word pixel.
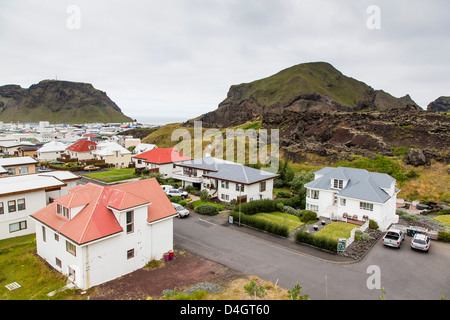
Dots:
pixel 444 236
pixel 284 194
pixel 261 224
pixel 204 196
pixel 308 215
pixel 257 206
pixel 175 199
pixel 294 202
pixel 190 189
pixel 207 209
pixel 317 241
pixel 291 210
pixel 373 225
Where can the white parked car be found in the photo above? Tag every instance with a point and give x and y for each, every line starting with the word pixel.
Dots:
pixel 421 242
pixel 182 211
pixel 393 238
pixel 177 193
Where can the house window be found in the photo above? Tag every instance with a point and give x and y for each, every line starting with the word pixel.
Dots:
pixel 225 184
pixel 12 206
pixel 11 171
pixel 56 237
pixel 130 254
pixel 338 184
pixel 262 186
pixel 130 222
pixel 366 206
pixel 21 204
pixel 22 225
pixel 65 212
pixel 44 236
pixel 58 263
pixel 70 248
pixel 343 202
pixel 313 194
pixel 312 207
pixel 237 187
pixel 2 210
pixel 23 170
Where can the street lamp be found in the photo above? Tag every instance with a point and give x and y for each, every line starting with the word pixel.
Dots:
pixel 240 190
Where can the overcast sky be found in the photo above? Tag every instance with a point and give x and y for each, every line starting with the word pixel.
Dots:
pixel 179 57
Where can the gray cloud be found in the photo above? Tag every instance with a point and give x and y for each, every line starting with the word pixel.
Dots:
pixel 164 58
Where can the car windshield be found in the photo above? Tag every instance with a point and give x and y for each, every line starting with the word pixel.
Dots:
pixel 392 235
pixel 179 208
pixel 420 241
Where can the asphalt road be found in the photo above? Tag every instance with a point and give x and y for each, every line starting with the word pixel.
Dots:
pixel 403 273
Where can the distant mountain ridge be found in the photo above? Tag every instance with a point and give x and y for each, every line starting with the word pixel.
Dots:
pixel 58 102
pixel 315 86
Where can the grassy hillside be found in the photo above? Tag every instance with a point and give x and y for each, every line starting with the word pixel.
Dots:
pixel 320 78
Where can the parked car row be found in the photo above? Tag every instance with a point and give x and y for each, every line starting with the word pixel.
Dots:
pixel 395 237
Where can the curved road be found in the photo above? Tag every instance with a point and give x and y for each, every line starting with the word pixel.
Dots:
pixel 405 274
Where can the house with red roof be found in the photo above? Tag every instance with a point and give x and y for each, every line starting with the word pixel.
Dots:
pixel 82 149
pixel 95 234
pixel 162 158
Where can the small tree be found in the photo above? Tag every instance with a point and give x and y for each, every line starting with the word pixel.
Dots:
pixel 299 181
pixel 204 196
pixel 294 294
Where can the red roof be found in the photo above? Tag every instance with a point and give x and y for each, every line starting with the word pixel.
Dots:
pixel 96 219
pixel 82 146
pixel 162 155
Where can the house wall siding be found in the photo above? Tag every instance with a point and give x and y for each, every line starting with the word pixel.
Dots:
pixel 33 202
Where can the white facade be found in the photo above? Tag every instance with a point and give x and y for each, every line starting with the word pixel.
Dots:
pixel 51 151
pixel 108 258
pixel 360 195
pixel 21 196
pixel 223 180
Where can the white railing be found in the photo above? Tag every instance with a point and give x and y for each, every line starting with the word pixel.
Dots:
pixel 352 233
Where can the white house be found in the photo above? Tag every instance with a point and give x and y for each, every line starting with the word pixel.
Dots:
pixel 20 196
pixel 142 147
pixel 162 159
pixel 356 194
pixel 95 234
pixel 224 179
pixel 51 151
pixel 113 153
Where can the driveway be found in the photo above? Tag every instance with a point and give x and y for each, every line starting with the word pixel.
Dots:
pixel 405 274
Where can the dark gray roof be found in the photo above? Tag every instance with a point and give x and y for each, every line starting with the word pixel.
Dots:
pixel 226 170
pixel 362 184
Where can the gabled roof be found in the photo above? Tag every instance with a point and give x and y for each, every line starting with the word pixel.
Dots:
pixel 227 170
pixel 82 146
pixel 362 184
pixel 52 146
pixel 108 148
pixel 28 183
pixel 162 155
pixel 96 219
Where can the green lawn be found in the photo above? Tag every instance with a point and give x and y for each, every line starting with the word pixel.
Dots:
pixel 444 219
pixel 200 202
pixel 336 230
pixel 19 263
pixel 291 221
pixel 112 175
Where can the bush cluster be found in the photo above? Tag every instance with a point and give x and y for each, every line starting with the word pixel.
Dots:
pixel 317 241
pixel 444 236
pixel 307 215
pixel 261 224
pixel 207 209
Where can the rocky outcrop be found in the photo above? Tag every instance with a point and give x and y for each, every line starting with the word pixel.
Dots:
pixel 441 104
pixel 58 102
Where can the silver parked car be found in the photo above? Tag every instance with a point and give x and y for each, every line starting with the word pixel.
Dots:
pixel 421 242
pixel 182 211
